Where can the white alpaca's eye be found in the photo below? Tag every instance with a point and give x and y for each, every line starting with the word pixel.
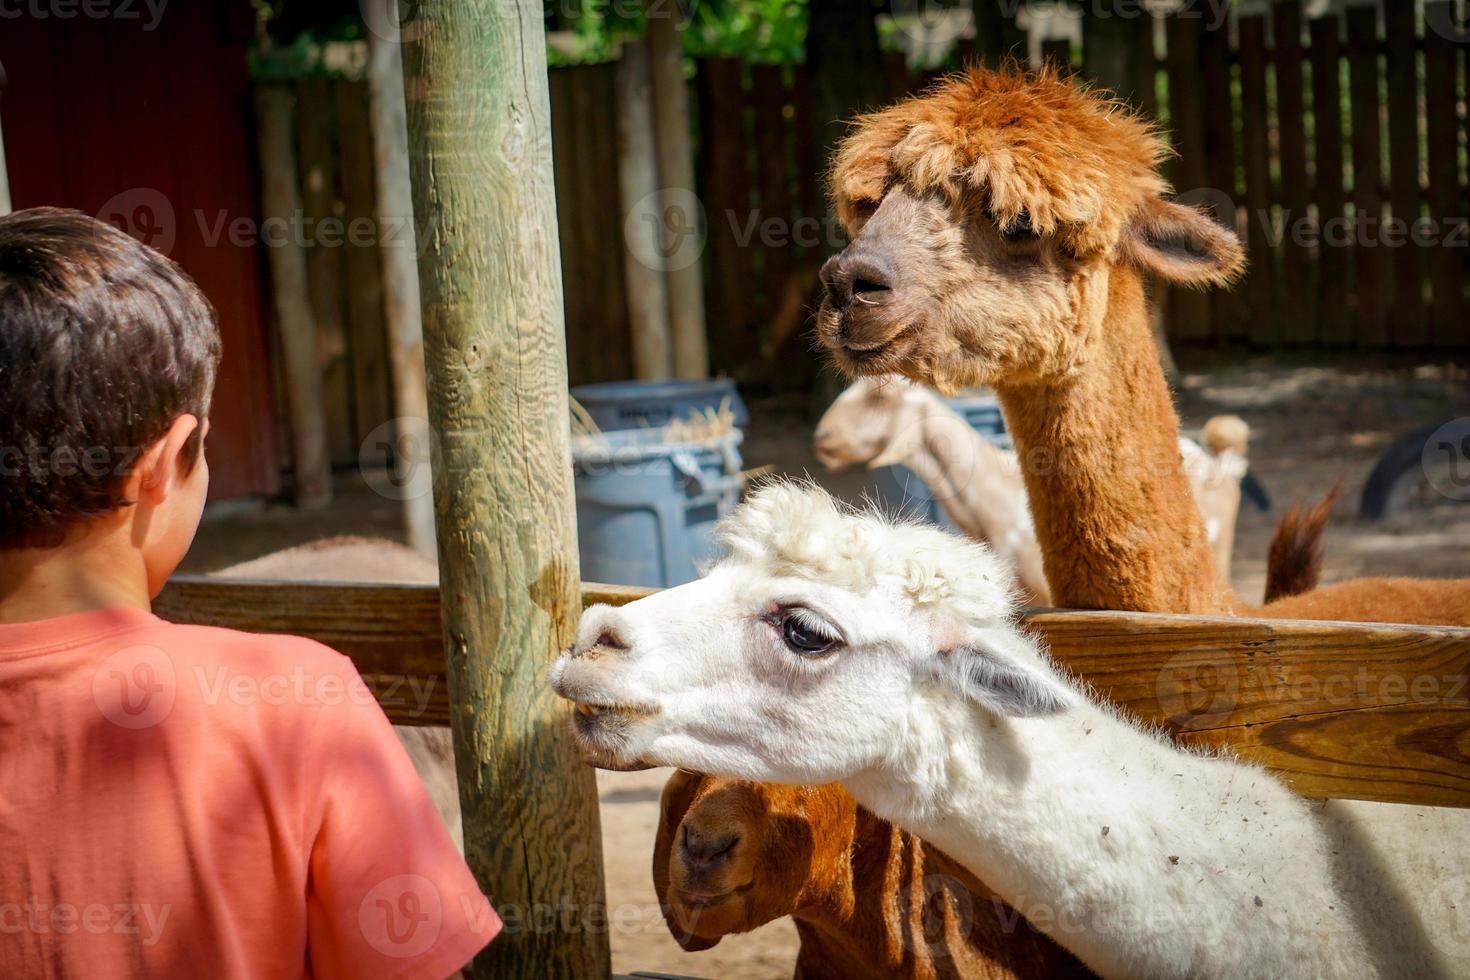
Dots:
pixel 804 635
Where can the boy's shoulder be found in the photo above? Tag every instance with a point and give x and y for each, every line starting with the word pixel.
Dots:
pixel 265 651
pixel 256 671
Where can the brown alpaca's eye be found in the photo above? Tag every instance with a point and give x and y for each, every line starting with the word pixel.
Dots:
pixel 1020 230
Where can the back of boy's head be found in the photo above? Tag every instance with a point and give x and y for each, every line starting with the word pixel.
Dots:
pixel 103 344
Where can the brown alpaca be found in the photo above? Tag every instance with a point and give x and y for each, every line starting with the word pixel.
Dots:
pixel 1003 225
pixel 869 900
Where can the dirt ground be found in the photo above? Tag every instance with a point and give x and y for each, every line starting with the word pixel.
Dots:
pixel 1310 426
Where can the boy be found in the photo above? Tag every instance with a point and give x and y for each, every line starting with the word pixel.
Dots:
pixel 174 800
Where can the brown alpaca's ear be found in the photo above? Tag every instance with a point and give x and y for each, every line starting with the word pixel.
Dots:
pixel 1181 245
pixel 677 797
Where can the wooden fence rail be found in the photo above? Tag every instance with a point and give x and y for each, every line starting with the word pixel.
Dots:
pixel 1346 711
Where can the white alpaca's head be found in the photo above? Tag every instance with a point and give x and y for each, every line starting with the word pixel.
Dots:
pixel 801 656
pixel 875 422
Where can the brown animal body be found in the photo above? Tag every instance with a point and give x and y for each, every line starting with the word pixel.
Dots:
pixel 869 900
pixel 1003 225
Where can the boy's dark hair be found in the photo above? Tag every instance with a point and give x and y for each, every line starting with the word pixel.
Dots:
pixel 103 343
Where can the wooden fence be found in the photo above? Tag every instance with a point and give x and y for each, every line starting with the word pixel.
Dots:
pixel 338 230
pixel 1335 145
pixel 1339 141
pixel 1339 710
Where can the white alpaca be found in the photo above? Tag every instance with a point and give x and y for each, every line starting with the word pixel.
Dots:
pixel 836 646
pixel 892 421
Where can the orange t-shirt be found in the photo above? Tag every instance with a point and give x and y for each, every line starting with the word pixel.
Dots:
pixel 182 801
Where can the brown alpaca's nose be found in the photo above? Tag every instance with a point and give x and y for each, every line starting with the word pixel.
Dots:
pixel 706 851
pixel 855 277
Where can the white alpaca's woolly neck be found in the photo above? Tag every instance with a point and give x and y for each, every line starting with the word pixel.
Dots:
pixel 1144 860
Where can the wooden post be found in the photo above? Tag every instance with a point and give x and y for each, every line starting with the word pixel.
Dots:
pixel 638 186
pixel 494 346
pixel 396 245
pixel 676 175
pixel 280 199
pixel 997 36
pixel 4 176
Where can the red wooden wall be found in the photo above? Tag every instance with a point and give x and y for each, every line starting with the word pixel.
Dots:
pixel 151 130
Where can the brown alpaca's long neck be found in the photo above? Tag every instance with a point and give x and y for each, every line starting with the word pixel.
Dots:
pixel 1099 450
pixel 907 912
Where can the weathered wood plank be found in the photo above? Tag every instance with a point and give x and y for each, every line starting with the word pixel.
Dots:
pixel 1218 110
pixel 1339 710
pixel 316 127
pixel 1447 265
pixel 366 327
pixel 726 194
pixel 1407 327
pixel 1330 190
pixel 1189 317
pixel 1298 325
pixel 280 200
pixel 1261 279
pixel 1372 258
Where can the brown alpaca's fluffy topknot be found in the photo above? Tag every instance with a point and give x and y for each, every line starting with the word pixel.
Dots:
pixel 1078 161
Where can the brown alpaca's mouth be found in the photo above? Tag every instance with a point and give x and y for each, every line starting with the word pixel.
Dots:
pixel 885 357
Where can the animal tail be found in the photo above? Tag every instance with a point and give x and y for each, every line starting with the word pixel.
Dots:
pixel 1294 562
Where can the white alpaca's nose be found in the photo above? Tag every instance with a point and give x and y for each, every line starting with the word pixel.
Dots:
pixel 602 632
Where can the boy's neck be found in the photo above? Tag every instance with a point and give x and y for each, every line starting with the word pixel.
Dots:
pixel 97 570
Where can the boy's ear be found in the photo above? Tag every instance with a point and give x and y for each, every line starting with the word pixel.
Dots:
pixel 1182 245
pixel 995 668
pixel 158 467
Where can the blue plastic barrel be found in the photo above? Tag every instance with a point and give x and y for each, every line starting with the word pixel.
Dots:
pixel 617 405
pixel 899 488
pixel 646 509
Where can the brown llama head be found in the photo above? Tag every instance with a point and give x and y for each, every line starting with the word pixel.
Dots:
pixel 987 217
pixel 732 855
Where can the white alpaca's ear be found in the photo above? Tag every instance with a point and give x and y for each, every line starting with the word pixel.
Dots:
pixel 1182 245
pixel 997 669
